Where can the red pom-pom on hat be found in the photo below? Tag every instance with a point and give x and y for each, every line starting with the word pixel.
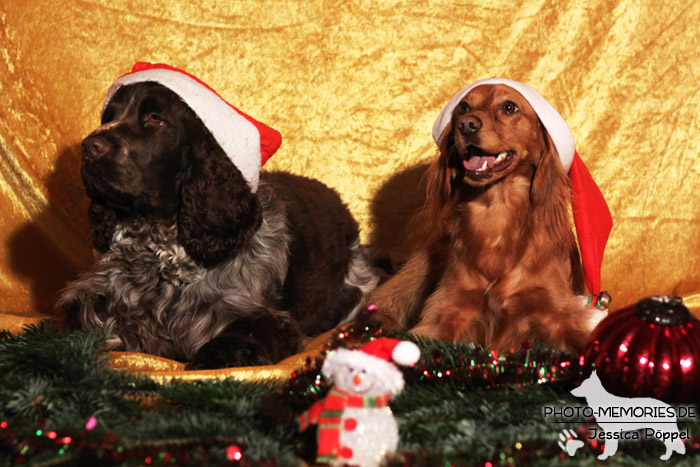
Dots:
pixel 247 142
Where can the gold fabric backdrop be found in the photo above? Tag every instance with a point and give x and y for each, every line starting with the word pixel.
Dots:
pixel 354 88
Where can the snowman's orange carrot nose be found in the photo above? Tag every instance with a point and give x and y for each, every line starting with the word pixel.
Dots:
pixel 357 379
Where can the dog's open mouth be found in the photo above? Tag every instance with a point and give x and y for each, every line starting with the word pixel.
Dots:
pixel 480 163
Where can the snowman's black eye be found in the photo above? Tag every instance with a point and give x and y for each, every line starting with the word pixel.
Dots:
pixel 364 371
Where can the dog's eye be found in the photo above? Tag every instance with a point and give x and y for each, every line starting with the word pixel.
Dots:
pixel 463 108
pixel 107 116
pixel 509 107
pixel 153 118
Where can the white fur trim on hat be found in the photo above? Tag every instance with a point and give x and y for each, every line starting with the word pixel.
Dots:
pixel 239 138
pixel 550 118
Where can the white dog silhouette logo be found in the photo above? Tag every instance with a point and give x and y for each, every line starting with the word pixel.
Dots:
pixel 616 415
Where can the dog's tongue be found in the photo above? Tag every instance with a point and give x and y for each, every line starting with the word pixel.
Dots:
pixel 476 162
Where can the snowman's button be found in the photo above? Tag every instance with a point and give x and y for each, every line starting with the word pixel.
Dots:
pixel 350 424
pixel 345 452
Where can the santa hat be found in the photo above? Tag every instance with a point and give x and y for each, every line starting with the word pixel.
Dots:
pixel 591 214
pixel 393 350
pixel 379 353
pixel 247 142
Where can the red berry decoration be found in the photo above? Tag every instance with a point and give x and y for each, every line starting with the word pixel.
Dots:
pixel 651 349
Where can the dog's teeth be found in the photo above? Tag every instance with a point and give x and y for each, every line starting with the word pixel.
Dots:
pixel 501 156
pixel 484 166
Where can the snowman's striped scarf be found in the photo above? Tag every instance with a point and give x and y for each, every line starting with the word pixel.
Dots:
pixel 327 413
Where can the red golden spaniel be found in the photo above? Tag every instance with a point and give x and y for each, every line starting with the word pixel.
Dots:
pixel 496 261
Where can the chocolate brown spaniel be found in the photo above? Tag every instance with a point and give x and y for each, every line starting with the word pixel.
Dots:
pixel 196 266
pixel 495 261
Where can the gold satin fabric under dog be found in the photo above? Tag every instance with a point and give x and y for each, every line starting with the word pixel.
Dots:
pixel 354 88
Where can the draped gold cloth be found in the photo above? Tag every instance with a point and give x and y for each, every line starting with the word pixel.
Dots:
pixel 354 88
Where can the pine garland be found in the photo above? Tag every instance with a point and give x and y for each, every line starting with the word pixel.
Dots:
pixel 463 405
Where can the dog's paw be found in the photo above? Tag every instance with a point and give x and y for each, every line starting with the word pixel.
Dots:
pixel 387 322
pixel 254 341
pixel 569 442
pixel 220 353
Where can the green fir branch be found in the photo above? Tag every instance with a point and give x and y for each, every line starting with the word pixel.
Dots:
pixel 52 384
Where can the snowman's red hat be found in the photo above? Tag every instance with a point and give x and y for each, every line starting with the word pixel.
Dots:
pixel 247 142
pixel 591 214
pixel 393 350
pixel 381 353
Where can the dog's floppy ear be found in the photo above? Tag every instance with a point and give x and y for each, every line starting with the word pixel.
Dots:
pixel 550 192
pixel 218 212
pixel 550 183
pixel 103 222
pixel 440 175
pixel 439 179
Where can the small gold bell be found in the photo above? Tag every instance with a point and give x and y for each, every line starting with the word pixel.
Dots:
pixel 604 300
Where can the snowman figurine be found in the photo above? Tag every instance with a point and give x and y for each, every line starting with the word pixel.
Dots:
pixel 355 423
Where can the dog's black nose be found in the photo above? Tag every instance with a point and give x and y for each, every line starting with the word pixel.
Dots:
pixel 96 146
pixel 469 125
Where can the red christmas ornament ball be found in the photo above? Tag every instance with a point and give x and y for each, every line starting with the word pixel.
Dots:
pixel 650 349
